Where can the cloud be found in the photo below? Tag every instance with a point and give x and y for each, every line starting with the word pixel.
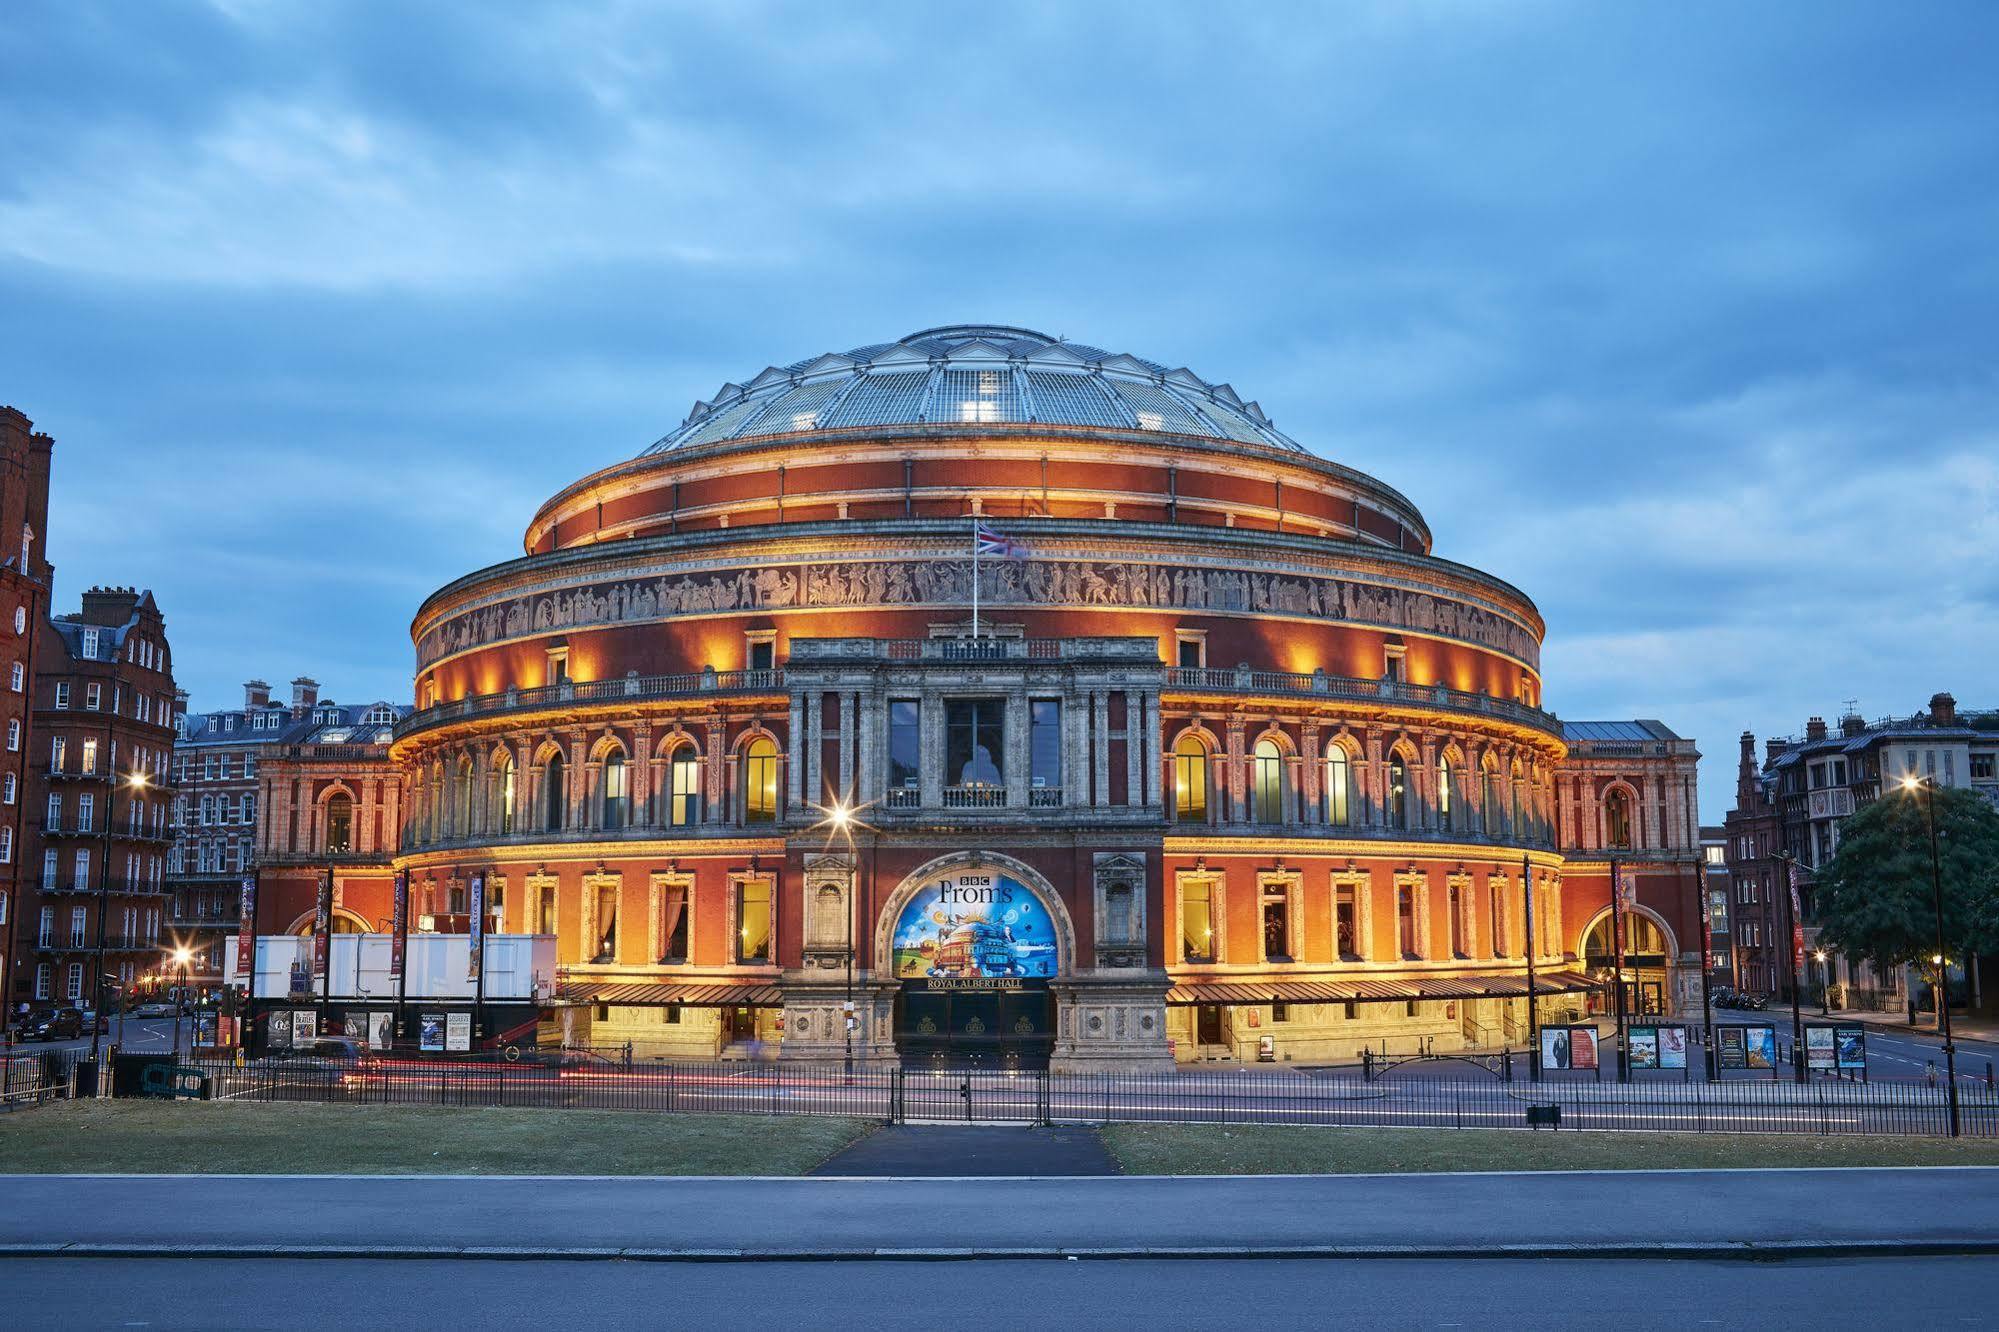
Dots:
pixel 1684 329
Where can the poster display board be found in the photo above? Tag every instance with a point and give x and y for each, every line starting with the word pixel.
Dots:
pixel 430 1032
pixel 381 1031
pixel 458 1032
pixel 1657 1046
pixel 1760 1044
pixel 1568 1048
pixel 305 1029
pixel 1729 1047
pixel 206 1027
pixel 279 1032
pixel 1821 1049
pixel 1851 1045
pixel 1673 1047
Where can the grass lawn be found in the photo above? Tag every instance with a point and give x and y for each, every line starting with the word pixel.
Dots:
pixel 1212 1149
pixel 210 1137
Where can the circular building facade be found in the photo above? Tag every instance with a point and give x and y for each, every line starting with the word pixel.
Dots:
pixel 1044 704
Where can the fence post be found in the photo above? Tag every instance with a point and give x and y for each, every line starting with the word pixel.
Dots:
pixel 895 1095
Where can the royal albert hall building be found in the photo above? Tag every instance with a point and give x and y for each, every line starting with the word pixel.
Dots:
pixel 1231 755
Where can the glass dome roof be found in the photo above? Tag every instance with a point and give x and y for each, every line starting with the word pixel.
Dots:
pixel 971 374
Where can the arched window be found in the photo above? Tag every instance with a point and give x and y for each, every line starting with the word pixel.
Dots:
pixel 1339 786
pixel 684 787
pixel 1190 781
pixel 554 793
pixel 1267 785
pixel 1398 793
pixel 760 781
pixel 339 825
pixel 1617 819
pixel 505 794
pixel 1444 794
pixel 617 792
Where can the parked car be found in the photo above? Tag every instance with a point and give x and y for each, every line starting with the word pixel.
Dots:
pixel 153 1011
pixel 94 1019
pixel 55 1024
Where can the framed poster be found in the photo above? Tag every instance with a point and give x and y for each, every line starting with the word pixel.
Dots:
pixel 381 1031
pixel 1734 1051
pixel 431 1032
pixel 1760 1043
pixel 305 1028
pixel 458 1032
pixel 205 1028
pixel 1821 1050
pixel 1644 1047
pixel 1672 1047
pixel 279 1033
pixel 1582 1047
pixel 1554 1047
pixel 1851 1043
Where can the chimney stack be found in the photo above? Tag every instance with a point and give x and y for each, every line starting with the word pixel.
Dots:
pixel 256 693
pixel 1815 729
pixel 1774 749
pixel 305 693
pixel 1943 710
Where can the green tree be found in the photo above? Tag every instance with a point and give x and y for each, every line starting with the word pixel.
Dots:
pixel 1875 899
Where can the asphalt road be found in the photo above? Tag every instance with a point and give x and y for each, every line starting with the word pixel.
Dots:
pixel 1140 1294
pixel 139 1035
pixel 1558 1213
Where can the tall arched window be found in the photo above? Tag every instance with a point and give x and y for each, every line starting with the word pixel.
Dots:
pixel 554 793
pixel 1190 781
pixel 1444 794
pixel 760 781
pixel 617 792
pixel 1398 793
pixel 505 794
pixel 1617 819
pixel 1267 785
pixel 683 787
pixel 339 825
pixel 1339 786
pixel 461 799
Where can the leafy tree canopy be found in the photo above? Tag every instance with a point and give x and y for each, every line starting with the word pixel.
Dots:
pixel 1875 899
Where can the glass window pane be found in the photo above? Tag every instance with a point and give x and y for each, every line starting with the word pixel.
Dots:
pixel 1197 932
pixel 1045 743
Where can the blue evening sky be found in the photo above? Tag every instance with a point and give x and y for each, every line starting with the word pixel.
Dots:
pixel 1679 316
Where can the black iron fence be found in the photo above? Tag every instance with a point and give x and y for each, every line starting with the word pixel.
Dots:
pixel 32 1078
pixel 1339 1098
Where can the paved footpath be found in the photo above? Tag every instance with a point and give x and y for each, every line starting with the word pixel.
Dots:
pixel 1650 1214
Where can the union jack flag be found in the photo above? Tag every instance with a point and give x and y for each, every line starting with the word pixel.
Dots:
pixel 988 542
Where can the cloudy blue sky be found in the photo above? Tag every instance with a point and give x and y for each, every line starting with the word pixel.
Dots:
pixel 1682 317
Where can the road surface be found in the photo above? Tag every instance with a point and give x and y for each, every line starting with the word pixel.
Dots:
pixel 1156 1296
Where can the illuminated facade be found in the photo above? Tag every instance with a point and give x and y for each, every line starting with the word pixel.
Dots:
pixel 1231 756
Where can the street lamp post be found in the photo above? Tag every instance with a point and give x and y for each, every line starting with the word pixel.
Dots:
pixel 1825 983
pixel 180 957
pixel 136 781
pixel 1788 893
pixel 1928 786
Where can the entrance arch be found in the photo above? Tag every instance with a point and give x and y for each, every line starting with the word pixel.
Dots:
pixel 974 941
pixel 1651 955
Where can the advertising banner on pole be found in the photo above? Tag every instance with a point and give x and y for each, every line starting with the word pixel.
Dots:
pixel 246 929
pixel 322 926
pixel 1821 1048
pixel 473 954
pixel 1797 928
pixel 399 924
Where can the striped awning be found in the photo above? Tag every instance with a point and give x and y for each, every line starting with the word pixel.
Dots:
pixel 1372 991
pixel 693 995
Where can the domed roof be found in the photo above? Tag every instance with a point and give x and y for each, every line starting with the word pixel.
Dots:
pixel 973 374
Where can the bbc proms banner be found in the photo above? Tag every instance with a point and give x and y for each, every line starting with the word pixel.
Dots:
pixel 475 952
pixel 399 924
pixel 246 929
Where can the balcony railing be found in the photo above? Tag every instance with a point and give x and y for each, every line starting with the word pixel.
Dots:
pixel 1243 680
pixel 632 688
pixel 975 797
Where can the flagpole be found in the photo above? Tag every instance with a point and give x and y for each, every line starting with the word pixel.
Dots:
pixel 975 575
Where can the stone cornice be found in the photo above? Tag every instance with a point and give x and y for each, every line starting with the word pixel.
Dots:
pixel 566 853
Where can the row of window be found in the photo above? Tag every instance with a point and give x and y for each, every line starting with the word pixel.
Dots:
pixel 145 707
pixel 140 869
pixel 1271 798
pixel 143 758
pixel 138 814
pixel 135 926
pixel 1201 909
pixel 611 936
pixel 215 767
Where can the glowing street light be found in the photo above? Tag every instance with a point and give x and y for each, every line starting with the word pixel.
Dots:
pixel 1927 785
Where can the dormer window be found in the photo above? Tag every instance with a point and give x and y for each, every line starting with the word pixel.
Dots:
pixel 90 644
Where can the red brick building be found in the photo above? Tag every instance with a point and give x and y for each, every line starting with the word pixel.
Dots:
pixel 24 593
pixel 1199 752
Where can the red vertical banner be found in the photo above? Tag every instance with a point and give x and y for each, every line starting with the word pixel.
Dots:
pixel 478 927
pixel 246 931
pixel 1797 928
pixel 399 925
pixel 1707 927
pixel 322 927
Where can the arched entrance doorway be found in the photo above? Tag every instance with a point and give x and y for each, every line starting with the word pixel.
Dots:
pixel 974 950
pixel 1647 955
